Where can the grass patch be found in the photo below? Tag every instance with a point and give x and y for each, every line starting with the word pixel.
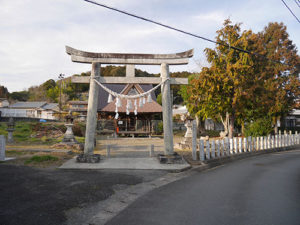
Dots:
pixel 39 159
pixel 179 133
pixel 14 152
pixel 80 139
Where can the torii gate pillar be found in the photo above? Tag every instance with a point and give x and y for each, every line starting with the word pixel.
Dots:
pixel 167 109
pixel 91 122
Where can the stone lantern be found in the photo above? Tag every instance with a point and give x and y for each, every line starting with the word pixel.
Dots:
pixel 10 129
pixel 69 137
pixel 187 141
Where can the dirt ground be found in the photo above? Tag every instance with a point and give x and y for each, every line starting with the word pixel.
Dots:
pixel 35 196
pixel 136 147
pixel 39 193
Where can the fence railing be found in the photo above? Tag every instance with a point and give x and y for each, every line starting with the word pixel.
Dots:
pixel 211 149
pixel 138 151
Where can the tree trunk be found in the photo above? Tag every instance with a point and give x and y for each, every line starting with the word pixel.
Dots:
pixel 225 124
pixel 243 128
pixel 276 126
pixel 200 125
pixel 231 126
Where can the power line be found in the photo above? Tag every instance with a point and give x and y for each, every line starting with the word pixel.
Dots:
pixel 182 31
pixel 290 11
pixel 298 3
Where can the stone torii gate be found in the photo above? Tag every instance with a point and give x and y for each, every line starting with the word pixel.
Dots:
pixel 96 59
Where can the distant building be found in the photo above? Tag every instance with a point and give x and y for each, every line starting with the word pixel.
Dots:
pixel 79 107
pixel 3 103
pixel 40 110
pixel 291 121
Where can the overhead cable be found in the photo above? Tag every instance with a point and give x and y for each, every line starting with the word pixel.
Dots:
pixel 290 11
pixel 182 31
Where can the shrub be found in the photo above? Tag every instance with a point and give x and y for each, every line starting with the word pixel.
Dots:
pixel 260 127
pixel 160 127
pixel 176 118
pixel 80 139
pixel 44 139
pixel 78 130
pixel 212 133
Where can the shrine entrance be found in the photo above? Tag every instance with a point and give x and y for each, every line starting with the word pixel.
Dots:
pixel 95 80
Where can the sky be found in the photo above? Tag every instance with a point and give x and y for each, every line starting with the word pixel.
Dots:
pixel 33 34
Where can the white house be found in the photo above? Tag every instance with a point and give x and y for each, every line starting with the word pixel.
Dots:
pixel 40 110
pixel 3 103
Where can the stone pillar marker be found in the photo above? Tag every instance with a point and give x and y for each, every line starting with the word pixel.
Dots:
pixel 227 144
pixel 250 143
pixel 2 148
pixel 207 149
pixel 10 129
pixel 213 149
pixel 201 150
pixel 223 147
pixel 108 147
pixel 151 150
pixel 218 148
pixel 194 140
pixel 240 145
pixel 167 109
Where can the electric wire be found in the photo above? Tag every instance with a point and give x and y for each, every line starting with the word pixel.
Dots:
pixel 290 11
pixel 298 3
pixel 182 31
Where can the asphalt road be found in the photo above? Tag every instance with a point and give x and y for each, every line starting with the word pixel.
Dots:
pixel 261 190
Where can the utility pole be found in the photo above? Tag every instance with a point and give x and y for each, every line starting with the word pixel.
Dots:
pixel 61 77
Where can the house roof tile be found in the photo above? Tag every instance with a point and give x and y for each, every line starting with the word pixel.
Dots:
pixel 27 105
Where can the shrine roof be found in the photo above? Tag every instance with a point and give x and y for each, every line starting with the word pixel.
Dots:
pixel 103 106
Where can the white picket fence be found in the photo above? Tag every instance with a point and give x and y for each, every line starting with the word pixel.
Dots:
pixel 211 149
